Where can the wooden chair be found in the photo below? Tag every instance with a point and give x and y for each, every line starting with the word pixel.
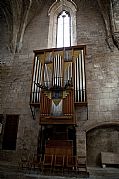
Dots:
pixel 34 163
pixel 71 164
pixel 59 163
pixel 47 163
pixel 40 162
pixel 81 163
pixel 24 160
pixel 82 166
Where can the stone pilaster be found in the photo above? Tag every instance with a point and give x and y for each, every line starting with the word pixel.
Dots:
pixel 81 142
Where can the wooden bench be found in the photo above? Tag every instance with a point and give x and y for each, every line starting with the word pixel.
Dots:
pixel 109 158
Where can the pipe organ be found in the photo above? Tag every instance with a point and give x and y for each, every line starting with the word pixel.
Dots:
pixel 58 83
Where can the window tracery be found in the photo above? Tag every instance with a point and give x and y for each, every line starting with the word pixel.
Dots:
pixel 57 8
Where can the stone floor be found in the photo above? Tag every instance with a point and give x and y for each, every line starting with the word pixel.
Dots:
pixel 11 172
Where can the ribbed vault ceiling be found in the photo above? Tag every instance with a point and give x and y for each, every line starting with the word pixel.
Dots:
pixel 19 13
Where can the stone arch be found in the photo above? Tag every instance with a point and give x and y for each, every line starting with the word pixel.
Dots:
pixel 53 12
pixel 101 136
pixel 89 125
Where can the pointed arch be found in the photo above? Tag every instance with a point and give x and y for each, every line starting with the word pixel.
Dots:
pixel 56 8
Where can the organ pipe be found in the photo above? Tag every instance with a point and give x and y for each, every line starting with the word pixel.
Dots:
pixel 79 79
pixel 34 80
pixel 75 71
pixel 83 75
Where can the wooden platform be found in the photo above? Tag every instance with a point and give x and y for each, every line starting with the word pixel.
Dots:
pixel 57 120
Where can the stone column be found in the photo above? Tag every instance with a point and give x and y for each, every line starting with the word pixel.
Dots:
pixel 81 143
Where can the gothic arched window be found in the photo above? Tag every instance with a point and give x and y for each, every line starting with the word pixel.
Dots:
pixel 63 30
pixel 62 24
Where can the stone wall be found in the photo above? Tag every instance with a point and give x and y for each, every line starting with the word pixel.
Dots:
pixel 102 139
pixel 102 73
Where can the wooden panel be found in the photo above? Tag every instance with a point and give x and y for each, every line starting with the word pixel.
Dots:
pixel 45 104
pixel 59 151
pixel 59 147
pixel 69 119
pixel 68 103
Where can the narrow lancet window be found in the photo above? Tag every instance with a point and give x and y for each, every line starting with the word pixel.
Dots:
pixel 63 30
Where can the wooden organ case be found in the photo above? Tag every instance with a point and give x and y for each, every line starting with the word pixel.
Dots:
pixel 58 84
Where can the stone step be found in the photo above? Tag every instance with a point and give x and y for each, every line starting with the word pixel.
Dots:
pixel 108 172
pixel 8 171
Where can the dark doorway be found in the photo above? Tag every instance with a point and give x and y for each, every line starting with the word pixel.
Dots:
pixel 10 132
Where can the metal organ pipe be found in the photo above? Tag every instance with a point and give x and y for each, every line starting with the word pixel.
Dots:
pixel 61 72
pixel 71 69
pixel 37 89
pixel 83 76
pixel 45 75
pixel 40 77
pixel 58 70
pixel 68 73
pixel 61 76
pixel 75 86
pixel 35 79
pixel 79 78
pixel 33 84
pixel 53 71
pixel 78 81
pixel 80 72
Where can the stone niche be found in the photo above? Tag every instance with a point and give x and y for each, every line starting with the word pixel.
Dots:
pixel 101 139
